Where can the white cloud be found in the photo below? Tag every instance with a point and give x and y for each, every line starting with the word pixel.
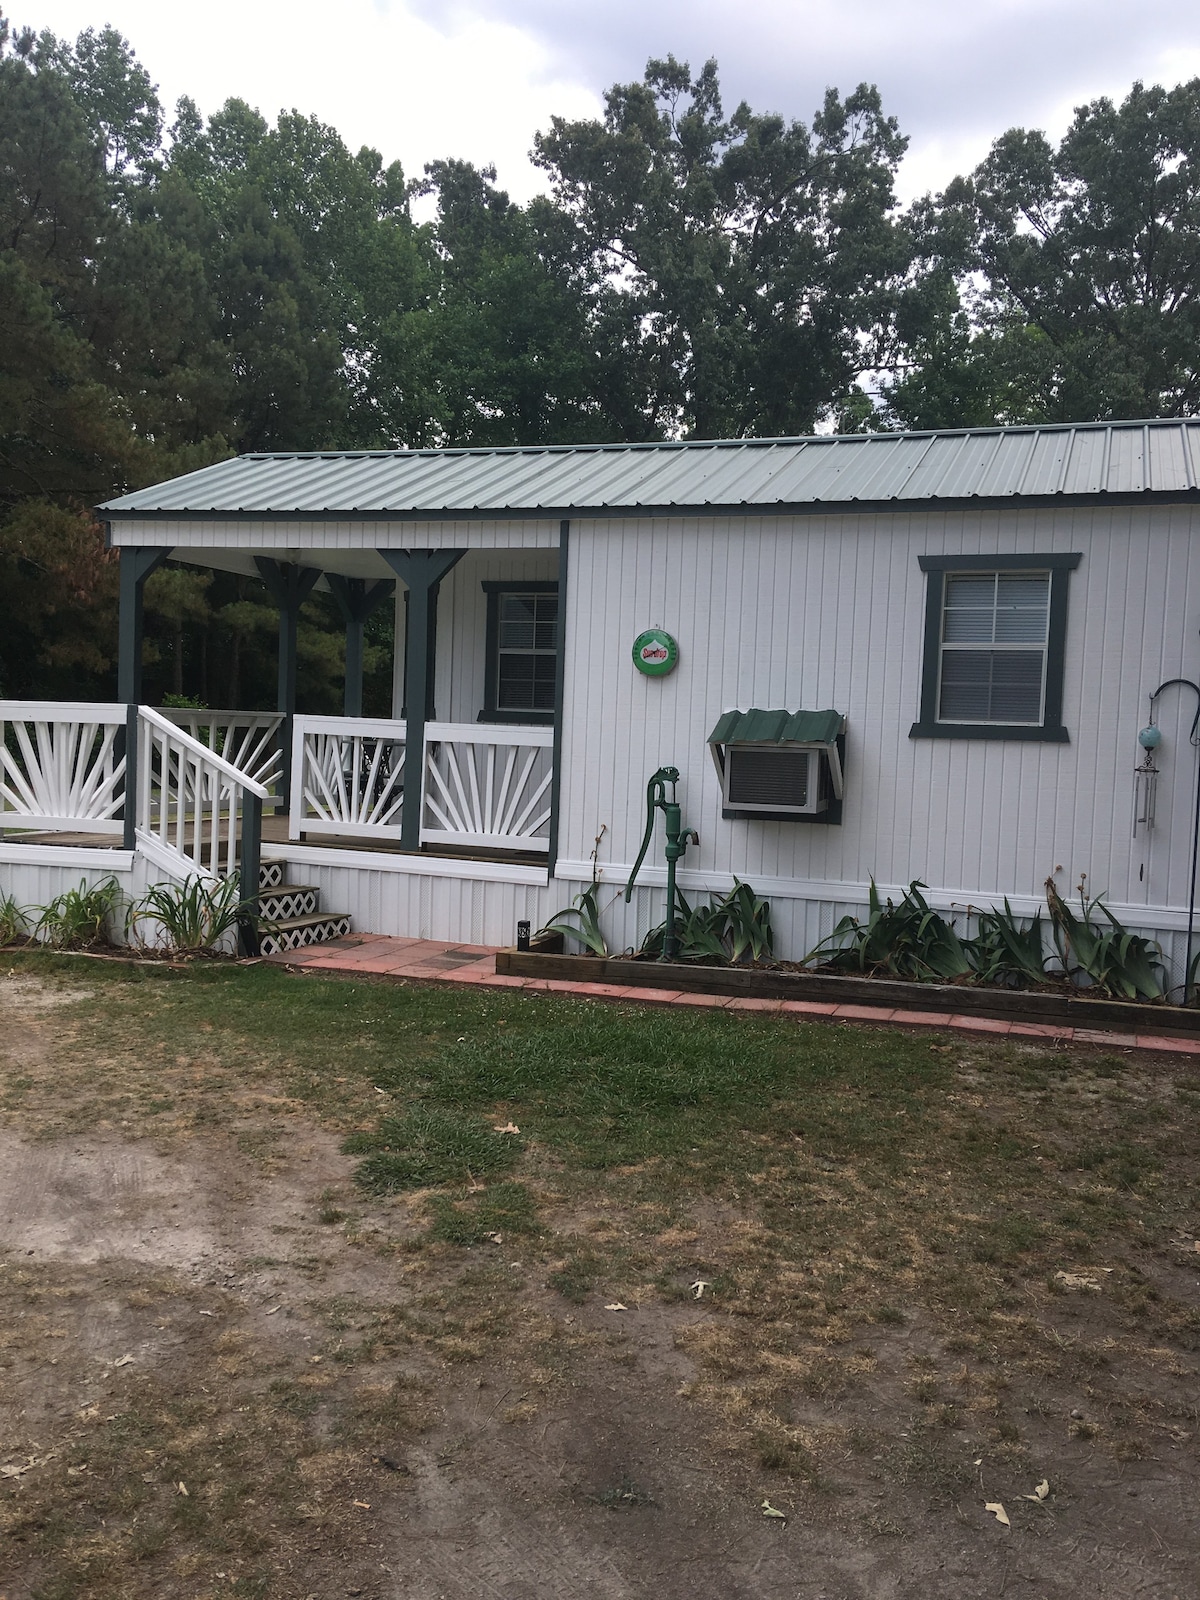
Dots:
pixel 477 89
pixel 421 79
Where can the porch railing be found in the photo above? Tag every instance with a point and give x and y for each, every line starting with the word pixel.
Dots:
pixel 487 786
pixel 248 740
pixel 62 766
pixel 191 800
pixel 347 777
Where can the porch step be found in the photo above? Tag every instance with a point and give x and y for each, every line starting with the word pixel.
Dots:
pixel 291 913
pixel 289 900
pixel 270 875
pixel 296 933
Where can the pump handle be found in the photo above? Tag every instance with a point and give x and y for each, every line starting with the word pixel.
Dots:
pixel 656 797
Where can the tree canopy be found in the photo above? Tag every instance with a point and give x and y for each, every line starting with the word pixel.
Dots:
pixel 178 288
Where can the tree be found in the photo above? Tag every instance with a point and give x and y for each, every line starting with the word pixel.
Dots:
pixel 1087 259
pixel 500 348
pixel 752 268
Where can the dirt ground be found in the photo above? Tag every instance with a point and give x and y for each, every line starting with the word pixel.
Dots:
pixel 225 1371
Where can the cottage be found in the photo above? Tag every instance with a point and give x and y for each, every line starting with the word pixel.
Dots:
pixel 893 656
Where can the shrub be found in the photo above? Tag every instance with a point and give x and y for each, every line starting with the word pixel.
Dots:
pixel 191 918
pixel 1120 963
pixel 79 917
pixel 14 920
pixel 909 940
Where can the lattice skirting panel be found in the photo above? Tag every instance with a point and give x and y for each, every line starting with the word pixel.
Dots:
pixel 276 942
pixel 276 904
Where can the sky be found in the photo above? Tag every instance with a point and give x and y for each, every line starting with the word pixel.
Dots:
pixel 423 79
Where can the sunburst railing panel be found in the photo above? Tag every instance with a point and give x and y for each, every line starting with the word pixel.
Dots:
pixel 347 777
pixel 61 766
pixel 487 786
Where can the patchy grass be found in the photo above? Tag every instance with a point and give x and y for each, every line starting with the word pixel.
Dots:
pixel 430 1145
pixel 879 1255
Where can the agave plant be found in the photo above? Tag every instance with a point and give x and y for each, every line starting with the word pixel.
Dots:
pixel 728 928
pixel 1118 962
pixel 909 940
pixel 698 933
pixel 748 924
pixel 586 926
pixel 1005 952
pixel 191 918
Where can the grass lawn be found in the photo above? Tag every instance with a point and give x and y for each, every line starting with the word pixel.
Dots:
pixel 876 1280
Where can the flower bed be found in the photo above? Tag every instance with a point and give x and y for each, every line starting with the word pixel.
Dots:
pixel 1051 1006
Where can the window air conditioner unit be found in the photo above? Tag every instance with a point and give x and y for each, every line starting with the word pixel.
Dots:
pixel 782 780
pixel 780 764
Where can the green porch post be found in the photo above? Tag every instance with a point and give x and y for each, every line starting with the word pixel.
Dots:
pixel 289 585
pixel 357 600
pixel 421 571
pixel 560 670
pixel 136 566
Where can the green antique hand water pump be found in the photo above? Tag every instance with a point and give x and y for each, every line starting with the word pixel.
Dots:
pixel 678 838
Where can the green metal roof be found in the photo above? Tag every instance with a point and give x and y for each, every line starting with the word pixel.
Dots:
pixel 893 470
pixel 777 727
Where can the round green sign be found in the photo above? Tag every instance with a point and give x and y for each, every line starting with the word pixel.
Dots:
pixel 655 653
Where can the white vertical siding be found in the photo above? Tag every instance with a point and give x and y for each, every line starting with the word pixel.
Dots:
pixel 815 612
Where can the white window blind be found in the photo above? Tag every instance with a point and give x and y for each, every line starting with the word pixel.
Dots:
pixel 527 642
pixel 995 627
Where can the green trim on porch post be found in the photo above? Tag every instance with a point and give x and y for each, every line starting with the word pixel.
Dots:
pixel 357 600
pixel 129 798
pixel 560 668
pixel 289 586
pixel 137 563
pixel 421 571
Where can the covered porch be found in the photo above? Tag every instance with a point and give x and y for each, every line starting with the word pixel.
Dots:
pixel 466 766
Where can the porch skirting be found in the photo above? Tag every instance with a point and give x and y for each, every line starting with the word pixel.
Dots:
pixel 481 902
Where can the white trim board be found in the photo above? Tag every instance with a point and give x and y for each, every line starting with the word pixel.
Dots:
pixel 57 855
pixel 615 875
pixel 420 866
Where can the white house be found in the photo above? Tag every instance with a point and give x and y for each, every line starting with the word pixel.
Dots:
pixel 986 613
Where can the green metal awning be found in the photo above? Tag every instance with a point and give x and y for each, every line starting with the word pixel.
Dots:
pixel 778 727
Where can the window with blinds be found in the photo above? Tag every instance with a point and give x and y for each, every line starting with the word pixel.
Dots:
pixel 994 636
pixel 995 645
pixel 527 652
pixel 521 671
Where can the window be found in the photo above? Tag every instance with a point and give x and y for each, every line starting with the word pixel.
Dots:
pixel 522 652
pixel 995 631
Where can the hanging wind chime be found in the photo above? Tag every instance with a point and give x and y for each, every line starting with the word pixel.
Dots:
pixel 1145 780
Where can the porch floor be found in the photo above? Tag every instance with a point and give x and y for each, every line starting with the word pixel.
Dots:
pixel 435 961
pixel 275 832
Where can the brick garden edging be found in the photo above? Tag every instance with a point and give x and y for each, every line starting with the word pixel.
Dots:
pixel 753 983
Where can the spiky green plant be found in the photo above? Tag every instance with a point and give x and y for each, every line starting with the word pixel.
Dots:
pixel 80 917
pixel 1119 963
pixel 189 918
pixel 14 920
pixel 585 929
pixel 1004 952
pixel 730 927
pixel 748 924
pixel 908 940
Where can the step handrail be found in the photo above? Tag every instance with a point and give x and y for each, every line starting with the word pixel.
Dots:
pixel 202 753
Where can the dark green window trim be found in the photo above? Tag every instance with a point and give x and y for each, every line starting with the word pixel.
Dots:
pixel 1059 565
pixel 493 589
